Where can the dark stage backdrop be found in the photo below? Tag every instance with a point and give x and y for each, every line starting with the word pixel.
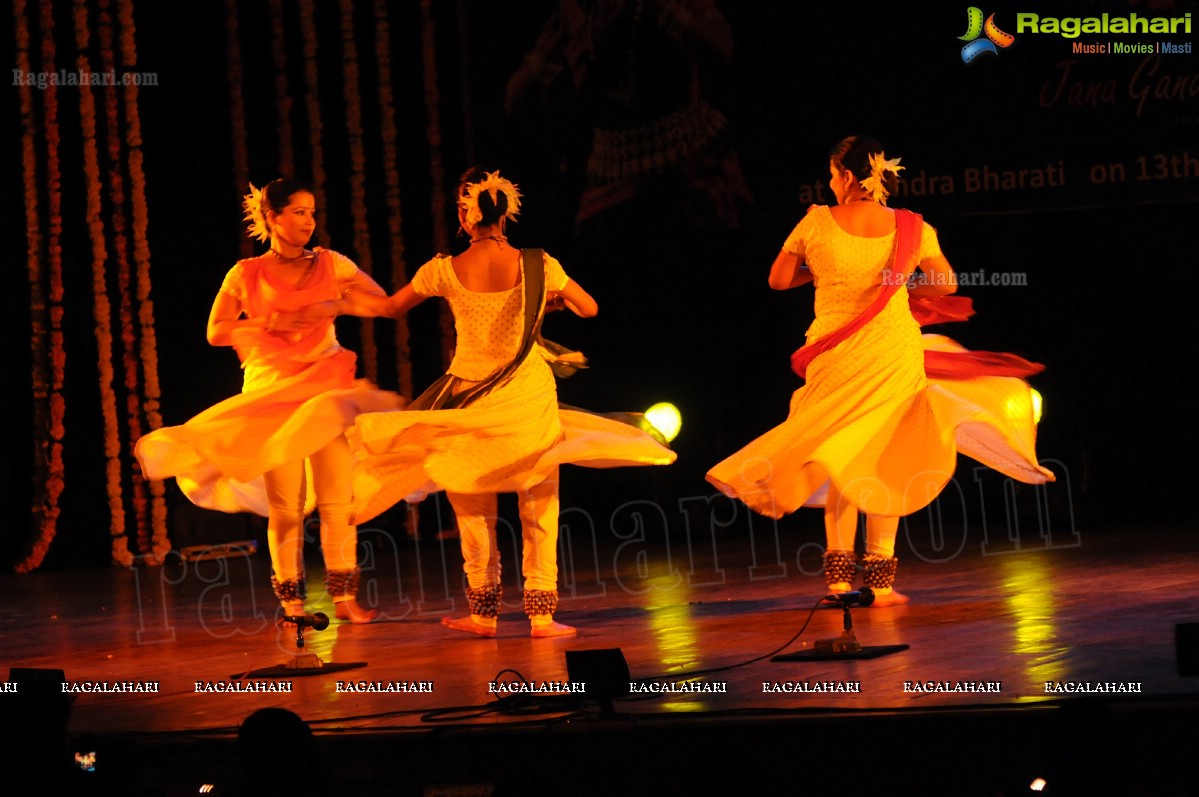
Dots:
pixel 1062 181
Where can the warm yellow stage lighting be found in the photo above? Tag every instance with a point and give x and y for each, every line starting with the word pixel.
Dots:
pixel 666 419
pixel 1038 784
pixel 1037 403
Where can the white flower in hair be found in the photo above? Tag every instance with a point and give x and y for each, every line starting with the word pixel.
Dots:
pixel 494 185
pixel 256 220
pixel 876 183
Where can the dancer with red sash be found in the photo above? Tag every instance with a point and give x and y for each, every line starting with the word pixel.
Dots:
pixel 877 426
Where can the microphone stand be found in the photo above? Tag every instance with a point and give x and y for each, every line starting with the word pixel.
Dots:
pixel 845 646
pixel 304 662
pixel 306 659
pixel 846 643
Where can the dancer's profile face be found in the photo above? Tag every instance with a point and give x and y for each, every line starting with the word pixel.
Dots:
pixel 295 223
pixel 840 181
pixel 462 211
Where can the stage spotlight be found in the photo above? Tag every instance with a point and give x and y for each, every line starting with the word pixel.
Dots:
pixel 1038 784
pixel 666 419
pixel 1037 404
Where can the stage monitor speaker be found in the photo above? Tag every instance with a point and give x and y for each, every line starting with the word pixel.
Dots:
pixel 1186 648
pixel 604 671
pixel 38 681
pixel 35 718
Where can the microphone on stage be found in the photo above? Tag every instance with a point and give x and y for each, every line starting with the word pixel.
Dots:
pixel 859 597
pixel 317 622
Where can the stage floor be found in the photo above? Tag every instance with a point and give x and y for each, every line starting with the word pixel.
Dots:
pixel 993 631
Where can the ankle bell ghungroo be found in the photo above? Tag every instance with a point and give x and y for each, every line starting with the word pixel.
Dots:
pixel 840 567
pixel 540 602
pixel 879 570
pixel 342 584
pixel 484 601
pixel 289 591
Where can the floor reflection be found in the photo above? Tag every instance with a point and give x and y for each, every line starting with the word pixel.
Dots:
pixel 1027 582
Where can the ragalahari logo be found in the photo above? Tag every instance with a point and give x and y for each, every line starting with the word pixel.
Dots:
pixel 975 27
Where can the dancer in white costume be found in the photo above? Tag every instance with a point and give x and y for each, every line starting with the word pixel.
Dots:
pixel 492 423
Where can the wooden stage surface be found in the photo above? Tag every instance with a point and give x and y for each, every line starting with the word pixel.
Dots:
pixel 1095 607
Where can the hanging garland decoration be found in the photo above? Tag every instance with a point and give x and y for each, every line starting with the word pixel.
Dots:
pixel 391 177
pixel 47 401
pixel 468 103
pixel 441 236
pixel 120 244
pixel 48 508
pixel 312 101
pixel 362 238
pixel 101 309
pixel 287 160
pixel 160 544
pixel 237 112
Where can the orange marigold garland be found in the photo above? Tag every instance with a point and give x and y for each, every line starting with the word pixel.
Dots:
pixel 100 304
pixel 441 235
pixel 47 406
pixel 362 238
pixel 237 110
pixel 120 246
pixel 58 352
pixel 391 176
pixel 312 104
pixel 465 50
pixel 160 544
pixel 287 160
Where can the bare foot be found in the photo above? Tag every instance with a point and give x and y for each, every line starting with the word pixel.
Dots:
pixel 553 629
pixel 350 610
pixel 892 598
pixel 469 625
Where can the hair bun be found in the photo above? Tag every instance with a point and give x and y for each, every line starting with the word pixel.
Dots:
pixel 493 184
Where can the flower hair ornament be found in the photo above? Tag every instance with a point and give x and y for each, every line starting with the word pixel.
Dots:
pixel 876 183
pixel 494 184
pixel 255 220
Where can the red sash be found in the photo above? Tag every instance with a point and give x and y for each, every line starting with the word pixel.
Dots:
pixel 963 364
pixel 926 310
pixel 908 227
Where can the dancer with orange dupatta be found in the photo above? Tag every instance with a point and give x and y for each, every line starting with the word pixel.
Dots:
pixel 279 447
